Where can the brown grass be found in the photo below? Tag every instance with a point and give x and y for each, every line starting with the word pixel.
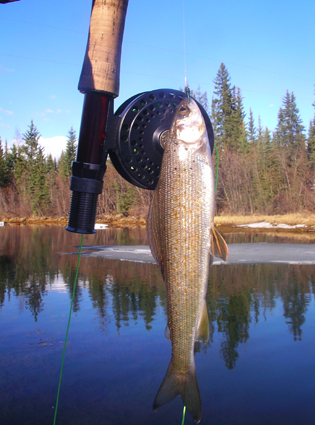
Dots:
pixel 118 220
pixel 291 219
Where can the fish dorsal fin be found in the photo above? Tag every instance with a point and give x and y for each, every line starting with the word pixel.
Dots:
pixel 203 328
pixel 219 246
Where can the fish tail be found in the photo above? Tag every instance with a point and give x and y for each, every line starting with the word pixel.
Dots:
pixel 184 385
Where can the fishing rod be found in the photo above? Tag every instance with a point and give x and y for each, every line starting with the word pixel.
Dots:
pixel 7 1
pixel 99 82
pixel 131 136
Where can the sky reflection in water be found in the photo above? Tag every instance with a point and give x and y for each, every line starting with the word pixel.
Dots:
pixel 258 367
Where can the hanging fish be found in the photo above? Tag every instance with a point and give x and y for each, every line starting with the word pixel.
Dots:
pixel 183 241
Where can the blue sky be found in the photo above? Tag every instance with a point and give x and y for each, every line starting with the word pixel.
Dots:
pixel 268 48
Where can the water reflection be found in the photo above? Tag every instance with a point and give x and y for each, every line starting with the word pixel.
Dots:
pixel 127 301
pixel 237 295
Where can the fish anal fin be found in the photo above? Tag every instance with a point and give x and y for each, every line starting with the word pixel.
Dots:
pixel 219 246
pixel 203 328
pixel 183 384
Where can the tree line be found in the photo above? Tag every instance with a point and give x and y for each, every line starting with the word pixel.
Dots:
pixel 260 171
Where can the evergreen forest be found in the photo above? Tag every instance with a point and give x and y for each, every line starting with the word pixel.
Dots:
pixel 261 171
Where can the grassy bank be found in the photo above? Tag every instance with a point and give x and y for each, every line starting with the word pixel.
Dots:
pixel 119 220
pixel 291 219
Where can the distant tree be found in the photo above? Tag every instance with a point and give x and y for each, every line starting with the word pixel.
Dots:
pixel 51 173
pixel 227 113
pixel 31 147
pixel 3 167
pixel 311 143
pixel 34 176
pixel 239 134
pixel 252 132
pixel 289 130
pixel 69 155
pixel 16 163
pixel 222 108
pixel 289 148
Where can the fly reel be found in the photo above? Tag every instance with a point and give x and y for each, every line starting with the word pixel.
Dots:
pixel 135 131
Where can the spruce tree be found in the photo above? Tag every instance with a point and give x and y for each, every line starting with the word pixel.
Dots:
pixel 252 132
pixel 222 108
pixel 289 130
pixel 311 143
pixel 239 133
pixel 16 163
pixel 3 168
pixel 69 155
pixel 35 173
pixel 31 147
pixel 289 149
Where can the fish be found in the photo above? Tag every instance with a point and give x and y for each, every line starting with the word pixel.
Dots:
pixel 183 241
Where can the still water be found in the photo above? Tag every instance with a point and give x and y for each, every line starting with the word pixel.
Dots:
pixel 258 367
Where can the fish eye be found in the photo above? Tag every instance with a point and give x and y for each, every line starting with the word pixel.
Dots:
pixel 184 110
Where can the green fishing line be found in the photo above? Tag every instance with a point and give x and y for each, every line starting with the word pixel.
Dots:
pixel 187 91
pixel 184 411
pixel 65 344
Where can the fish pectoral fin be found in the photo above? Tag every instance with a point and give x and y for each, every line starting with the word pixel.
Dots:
pixel 203 328
pixel 167 332
pixel 183 384
pixel 219 246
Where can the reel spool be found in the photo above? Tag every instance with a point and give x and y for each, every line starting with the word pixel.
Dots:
pixel 135 131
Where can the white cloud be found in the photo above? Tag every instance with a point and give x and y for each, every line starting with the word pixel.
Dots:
pixel 271 105
pixel 6 111
pixel 53 145
pixel 49 111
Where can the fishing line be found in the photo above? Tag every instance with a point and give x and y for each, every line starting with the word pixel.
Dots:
pixel 65 344
pixel 184 411
pixel 184 36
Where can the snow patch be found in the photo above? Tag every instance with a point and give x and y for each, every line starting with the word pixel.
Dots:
pixel 266 225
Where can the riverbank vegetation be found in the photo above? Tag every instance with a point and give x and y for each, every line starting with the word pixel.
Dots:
pixel 261 172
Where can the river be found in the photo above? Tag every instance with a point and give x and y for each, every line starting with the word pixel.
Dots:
pixel 258 367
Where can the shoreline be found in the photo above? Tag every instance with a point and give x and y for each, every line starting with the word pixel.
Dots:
pixel 297 223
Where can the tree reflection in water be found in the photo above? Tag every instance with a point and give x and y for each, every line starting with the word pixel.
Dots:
pixel 113 369
pixel 32 258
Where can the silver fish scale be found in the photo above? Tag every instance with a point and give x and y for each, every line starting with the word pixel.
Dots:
pixel 180 219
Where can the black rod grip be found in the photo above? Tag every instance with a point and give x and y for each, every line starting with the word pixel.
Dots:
pixel 86 184
pixel 82 213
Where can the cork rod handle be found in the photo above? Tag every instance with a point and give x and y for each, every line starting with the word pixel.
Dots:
pixel 101 65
